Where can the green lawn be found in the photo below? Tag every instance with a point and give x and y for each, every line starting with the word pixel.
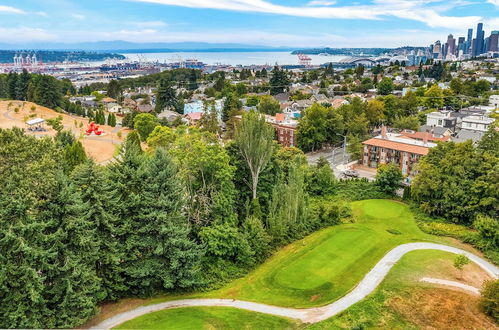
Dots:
pixel 373 312
pixel 326 265
pixel 208 318
pixel 315 271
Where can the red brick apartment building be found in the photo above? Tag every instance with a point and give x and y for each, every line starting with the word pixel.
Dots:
pixel 395 148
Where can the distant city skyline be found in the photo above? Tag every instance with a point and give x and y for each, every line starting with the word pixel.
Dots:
pixel 471 46
pixel 291 23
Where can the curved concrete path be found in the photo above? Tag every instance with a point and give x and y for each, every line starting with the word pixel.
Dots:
pixel 315 314
pixel 451 283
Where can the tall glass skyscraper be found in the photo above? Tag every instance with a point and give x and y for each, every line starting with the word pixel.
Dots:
pixel 469 41
pixel 479 40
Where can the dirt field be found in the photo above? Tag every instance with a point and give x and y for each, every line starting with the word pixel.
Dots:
pixel 100 148
pixel 441 309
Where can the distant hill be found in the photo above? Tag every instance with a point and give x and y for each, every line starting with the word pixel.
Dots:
pixel 48 56
pixel 355 51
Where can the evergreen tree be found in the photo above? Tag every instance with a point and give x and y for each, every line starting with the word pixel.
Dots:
pixel 71 282
pixel 3 87
pixel 279 82
pixel 46 91
pixel 158 253
pixel 166 97
pixel 114 89
pixel 89 181
pixel 12 85
pixel 193 77
pixel 74 154
pixel 22 85
pixel 231 107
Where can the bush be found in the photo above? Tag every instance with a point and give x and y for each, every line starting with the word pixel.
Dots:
pixel 388 178
pixel 359 189
pixel 324 212
pixel 488 228
pixel 489 300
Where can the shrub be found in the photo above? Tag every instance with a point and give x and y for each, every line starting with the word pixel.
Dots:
pixel 488 229
pixel 388 178
pixel 489 300
pixel 359 189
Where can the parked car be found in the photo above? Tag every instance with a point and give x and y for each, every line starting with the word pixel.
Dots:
pixel 349 174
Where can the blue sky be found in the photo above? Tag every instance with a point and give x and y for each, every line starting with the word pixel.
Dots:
pixel 363 23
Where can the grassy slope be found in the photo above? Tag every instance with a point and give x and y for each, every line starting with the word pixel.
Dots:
pixel 326 265
pixel 208 318
pixel 402 287
pixel 379 310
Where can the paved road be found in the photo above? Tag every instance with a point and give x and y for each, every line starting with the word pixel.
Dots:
pixel 310 315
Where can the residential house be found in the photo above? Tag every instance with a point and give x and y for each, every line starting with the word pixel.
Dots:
pixel 89 104
pixel 436 130
pixel 476 123
pixel 285 128
pixel 114 107
pixel 129 103
pixel 107 100
pixel 338 102
pixel 465 135
pixel 441 119
pixel 320 98
pixel 299 105
pixel 282 97
pixel 494 101
pixel 169 115
pixel 193 117
pixel 424 136
pixel 144 108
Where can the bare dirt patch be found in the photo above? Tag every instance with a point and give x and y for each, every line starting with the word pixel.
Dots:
pixel 314 297
pixel 110 309
pixel 441 309
pixel 100 148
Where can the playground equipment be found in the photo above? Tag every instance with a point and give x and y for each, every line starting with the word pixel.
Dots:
pixel 93 128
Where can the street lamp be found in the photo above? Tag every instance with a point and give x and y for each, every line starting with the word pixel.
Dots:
pixel 344 146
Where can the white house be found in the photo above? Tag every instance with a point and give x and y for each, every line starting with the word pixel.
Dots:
pixel 476 123
pixel 114 108
pixel 494 101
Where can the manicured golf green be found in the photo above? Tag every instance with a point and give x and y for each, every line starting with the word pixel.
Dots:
pixel 326 265
pixel 207 318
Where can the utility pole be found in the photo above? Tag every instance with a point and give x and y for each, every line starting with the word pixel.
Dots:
pixel 344 146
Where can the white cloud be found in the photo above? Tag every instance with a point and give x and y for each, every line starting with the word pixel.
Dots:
pixel 25 34
pixel 78 16
pixel 321 3
pixel 150 24
pixel 494 2
pixel 11 10
pixel 41 13
pixel 418 10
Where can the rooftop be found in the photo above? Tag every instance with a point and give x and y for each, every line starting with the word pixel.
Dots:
pixel 400 143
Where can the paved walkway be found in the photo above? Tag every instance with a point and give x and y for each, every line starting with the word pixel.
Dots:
pixel 451 283
pixel 310 315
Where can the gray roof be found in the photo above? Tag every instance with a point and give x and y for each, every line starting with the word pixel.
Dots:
pixel 437 130
pixel 465 135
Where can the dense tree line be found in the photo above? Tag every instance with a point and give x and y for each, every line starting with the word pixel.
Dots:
pixel 187 213
pixel 322 126
pixel 460 181
pixel 41 89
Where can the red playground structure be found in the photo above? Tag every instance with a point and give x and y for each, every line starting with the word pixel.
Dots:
pixel 93 128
